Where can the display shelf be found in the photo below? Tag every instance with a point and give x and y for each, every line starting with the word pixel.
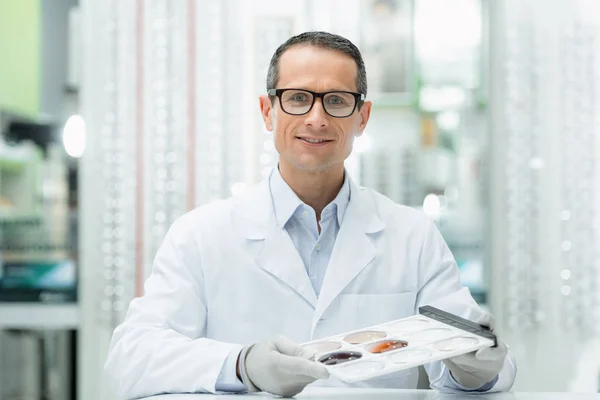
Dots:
pixel 9 216
pixel 12 164
pixel 39 316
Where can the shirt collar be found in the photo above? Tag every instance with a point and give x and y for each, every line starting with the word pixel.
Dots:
pixel 286 202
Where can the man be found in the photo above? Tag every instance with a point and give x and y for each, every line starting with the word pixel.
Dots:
pixel 306 254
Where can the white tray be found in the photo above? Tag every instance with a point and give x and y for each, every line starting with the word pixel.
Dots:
pixel 427 340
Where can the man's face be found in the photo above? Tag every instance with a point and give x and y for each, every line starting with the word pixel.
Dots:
pixel 319 70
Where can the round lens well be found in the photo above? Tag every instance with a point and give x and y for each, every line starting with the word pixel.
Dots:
pixel 361 368
pixel 386 345
pixel 322 347
pixel 455 343
pixel 408 356
pixel 340 357
pixel 364 337
pixel 410 325
pixel 432 335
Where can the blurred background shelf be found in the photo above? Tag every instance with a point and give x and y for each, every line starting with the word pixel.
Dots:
pixel 9 216
pixel 39 316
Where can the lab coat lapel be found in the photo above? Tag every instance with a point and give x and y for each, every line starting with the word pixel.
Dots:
pixel 353 249
pixel 280 258
pixel 270 246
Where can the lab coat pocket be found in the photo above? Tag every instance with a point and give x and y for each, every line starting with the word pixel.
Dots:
pixel 362 310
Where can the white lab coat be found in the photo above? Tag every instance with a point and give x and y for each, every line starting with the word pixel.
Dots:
pixel 226 275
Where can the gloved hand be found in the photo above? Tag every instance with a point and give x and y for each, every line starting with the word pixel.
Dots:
pixel 279 367
pixel 475 369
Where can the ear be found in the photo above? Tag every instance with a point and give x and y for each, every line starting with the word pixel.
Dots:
pixel 266 110
pixel 364 114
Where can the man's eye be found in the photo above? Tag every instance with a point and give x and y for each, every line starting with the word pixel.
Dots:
pixel 338 101
pixel 298 97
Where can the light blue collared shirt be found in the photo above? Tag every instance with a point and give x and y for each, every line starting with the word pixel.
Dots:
pixel 300 222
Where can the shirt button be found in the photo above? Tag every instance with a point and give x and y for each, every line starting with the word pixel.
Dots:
pixel 305 213
pixel 318 246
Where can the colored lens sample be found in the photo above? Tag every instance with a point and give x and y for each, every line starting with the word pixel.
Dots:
pixel 408 356
pixel 386 345
pixel 322 347
pixel 455 343
pixel 364 337
pixel 361 368
pixel 340 357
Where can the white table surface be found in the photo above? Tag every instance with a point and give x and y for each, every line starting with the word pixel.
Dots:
pixel 388 394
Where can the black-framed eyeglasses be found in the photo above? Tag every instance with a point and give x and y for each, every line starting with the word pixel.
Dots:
pixel 338 104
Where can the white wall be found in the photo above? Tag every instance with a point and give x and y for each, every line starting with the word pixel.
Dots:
pixel 544 140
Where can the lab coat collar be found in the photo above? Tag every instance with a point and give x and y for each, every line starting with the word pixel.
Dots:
pixel 254 214
pixel 273 250
pixel 267 243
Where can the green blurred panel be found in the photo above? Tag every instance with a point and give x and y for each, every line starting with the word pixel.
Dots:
pixel 20 56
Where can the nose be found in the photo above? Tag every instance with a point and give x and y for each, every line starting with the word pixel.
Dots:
pixel 317 117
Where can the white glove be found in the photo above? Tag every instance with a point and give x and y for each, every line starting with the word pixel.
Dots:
pixel 475 369
pixel 279 367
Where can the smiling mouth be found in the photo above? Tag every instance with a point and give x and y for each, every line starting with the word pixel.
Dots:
pixel 314 141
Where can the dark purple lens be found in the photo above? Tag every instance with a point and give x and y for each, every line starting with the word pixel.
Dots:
pixel 340 357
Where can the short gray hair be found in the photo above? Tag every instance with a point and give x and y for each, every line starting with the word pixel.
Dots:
pixel 323 40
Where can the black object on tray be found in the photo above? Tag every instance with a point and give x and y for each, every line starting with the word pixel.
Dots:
pixel 458 322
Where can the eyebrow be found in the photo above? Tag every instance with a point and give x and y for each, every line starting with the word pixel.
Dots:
pixel 324 91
